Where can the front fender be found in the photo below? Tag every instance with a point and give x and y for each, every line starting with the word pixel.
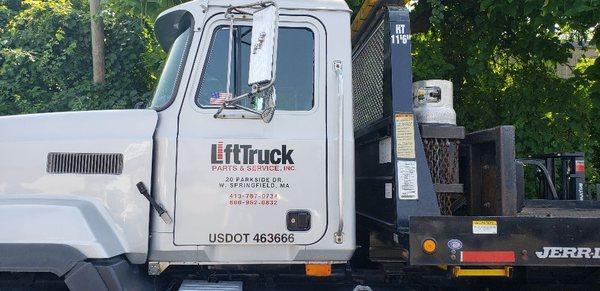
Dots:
pixel 80 222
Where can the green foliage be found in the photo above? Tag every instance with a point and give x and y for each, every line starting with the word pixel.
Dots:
pixel 354 4
pixel 502 58
pixel 45 58
pixel 149 9
pixel 428 60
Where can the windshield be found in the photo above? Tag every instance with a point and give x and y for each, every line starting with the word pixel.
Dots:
pixel 169 79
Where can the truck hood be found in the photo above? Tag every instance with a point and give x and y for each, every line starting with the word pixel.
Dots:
pixel 97 156
pixel 86 125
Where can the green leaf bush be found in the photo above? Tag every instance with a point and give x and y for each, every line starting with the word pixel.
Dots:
pixel 502 57
pixel 45 57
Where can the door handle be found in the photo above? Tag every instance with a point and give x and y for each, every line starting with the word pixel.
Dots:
pixel 338 69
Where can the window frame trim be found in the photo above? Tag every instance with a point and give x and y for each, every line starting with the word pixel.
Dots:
pixel 216 24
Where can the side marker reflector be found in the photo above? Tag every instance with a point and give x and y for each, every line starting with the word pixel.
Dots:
pixel 318 270
pixel 487 257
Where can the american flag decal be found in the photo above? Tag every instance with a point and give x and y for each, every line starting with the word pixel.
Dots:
pixel 218 98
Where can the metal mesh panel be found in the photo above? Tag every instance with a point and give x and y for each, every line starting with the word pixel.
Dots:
pixel 367 70
pixel 84 163
pixel 442 159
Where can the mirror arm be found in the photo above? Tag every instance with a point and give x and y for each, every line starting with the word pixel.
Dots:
pixel 231 102
pixel 231 11
pixel 238 9
pixel 247 109
pixel 222 108
pixel 229 54
pixel 237 98
pixel 256 88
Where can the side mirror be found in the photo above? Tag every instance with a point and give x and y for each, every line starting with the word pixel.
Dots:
pixel 262 63
pixel 263 58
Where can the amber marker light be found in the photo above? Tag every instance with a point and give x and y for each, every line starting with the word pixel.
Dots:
pixel 429 246
pixel 318 270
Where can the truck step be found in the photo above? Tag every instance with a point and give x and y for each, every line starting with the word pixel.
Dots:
pixel 197 285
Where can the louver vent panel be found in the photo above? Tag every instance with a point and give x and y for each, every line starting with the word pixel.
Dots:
pixel 85 163
pixel 367 72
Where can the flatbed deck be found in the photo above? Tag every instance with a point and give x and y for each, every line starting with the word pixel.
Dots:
pixel 561 208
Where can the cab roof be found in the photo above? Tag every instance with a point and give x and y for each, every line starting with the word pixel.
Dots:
pixel 167 28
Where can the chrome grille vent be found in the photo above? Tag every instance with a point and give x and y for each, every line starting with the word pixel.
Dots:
pixel 85 163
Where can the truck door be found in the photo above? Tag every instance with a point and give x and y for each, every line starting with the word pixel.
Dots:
pixel 241 180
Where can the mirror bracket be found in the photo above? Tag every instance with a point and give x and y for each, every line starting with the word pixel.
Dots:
pixel 258 87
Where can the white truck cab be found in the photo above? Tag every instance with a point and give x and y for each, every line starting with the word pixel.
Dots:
pixel 241 190
pixel 247 151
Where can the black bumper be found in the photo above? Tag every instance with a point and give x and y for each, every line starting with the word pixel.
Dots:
pixel 506 241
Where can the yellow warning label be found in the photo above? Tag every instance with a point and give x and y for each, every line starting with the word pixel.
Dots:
pixel 485 222
pixel 405 136
pixel 485 227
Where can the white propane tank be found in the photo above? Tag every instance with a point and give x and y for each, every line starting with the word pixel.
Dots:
pixel 433 102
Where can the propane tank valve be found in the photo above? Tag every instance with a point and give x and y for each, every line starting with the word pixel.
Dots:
pixel 432 102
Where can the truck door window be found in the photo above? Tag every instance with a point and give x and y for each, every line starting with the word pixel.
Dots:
pixel 172 70
pixel 295 68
